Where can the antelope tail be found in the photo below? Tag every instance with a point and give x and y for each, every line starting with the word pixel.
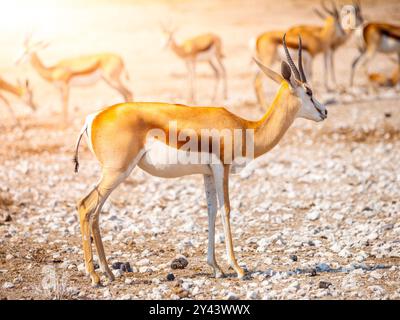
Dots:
pixel 75 159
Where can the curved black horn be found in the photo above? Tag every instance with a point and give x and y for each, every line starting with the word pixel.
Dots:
pixel 290 60
pixel 323 5
pixel 302 74
pixel 335 8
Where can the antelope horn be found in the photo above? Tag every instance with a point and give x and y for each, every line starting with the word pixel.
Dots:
pixel 302 74
pixel 319 14
pixel 290 60
pixel 335 8
pixel 326 8
pixel 356 4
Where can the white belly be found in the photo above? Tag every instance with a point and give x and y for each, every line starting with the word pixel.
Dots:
pixel 87 79
pixel 389 44
pixel 167 162
pixel 164 161
pixel 207 55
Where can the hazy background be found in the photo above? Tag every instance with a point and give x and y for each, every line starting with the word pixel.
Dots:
pixel 132 29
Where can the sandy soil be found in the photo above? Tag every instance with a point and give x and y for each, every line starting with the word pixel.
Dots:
pixel 323 206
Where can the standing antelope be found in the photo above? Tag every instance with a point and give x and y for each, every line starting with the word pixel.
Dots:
pixel 341 39
pixel 119 138
pixel 79 71
pixel 316 39
pixel 374 37
pixel 202 48
pixel 22 91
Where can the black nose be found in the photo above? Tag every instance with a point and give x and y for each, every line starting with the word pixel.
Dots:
pixel 326 112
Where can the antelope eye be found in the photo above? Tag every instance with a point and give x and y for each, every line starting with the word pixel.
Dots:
pixel 309 92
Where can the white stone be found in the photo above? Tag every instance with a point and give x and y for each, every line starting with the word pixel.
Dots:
pixel 253 295
pixel 8 285
pixel 232 296
pixel 118 273
pixel 143 262
pixel 313 215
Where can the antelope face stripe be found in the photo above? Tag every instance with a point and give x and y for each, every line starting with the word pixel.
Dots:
pixel 323 114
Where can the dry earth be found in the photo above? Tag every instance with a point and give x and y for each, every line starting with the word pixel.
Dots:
pixel 316 218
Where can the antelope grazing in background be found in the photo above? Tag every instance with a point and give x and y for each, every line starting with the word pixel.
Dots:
pixel 118 137
pixel 79 71
pixel 202 48
pixel 374 37
pixel 316 40
pixel 22 91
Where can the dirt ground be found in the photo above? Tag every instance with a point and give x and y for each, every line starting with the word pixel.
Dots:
pixel 315 218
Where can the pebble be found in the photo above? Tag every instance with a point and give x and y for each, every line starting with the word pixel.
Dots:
pixel 324 284
pixel 313 215
pixel 8 285
pixel 295 285
pixel 170 277
pixel 117 273
pixel 252 295
pixel 322 267
pixel 143 262
pixel 232 296
pixel 179 263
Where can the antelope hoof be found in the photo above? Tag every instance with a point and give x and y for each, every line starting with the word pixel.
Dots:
pixel 240 273
pixel 95 279
pixel 218 274
pixel 110 275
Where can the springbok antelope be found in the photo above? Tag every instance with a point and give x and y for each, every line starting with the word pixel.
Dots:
pixel 79 71
pixel 316 39
pixel 381 80
pixel 202 48
pixel 341 39
pixel 374 37
pixel 118 137
pixel 22 91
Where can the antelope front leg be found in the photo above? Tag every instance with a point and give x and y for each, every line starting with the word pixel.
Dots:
pixel 212 207
pixel 221 178
pixel 217 76
pixel 99 247
pixel 332 66
pixel 326 58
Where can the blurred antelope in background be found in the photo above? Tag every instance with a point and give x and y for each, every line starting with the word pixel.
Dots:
pixel 22 91
pixel 118 137
pixel 202 48
pixel 341 39
pixel 79 71
pixel 316 40
pixel 374 37
pixel 379 79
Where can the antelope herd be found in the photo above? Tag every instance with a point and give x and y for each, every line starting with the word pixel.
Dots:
pixel 118 135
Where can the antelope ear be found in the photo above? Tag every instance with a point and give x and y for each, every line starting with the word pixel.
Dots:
pixel 268 72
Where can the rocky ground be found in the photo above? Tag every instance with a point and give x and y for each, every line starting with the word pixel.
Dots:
pixel 316 218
